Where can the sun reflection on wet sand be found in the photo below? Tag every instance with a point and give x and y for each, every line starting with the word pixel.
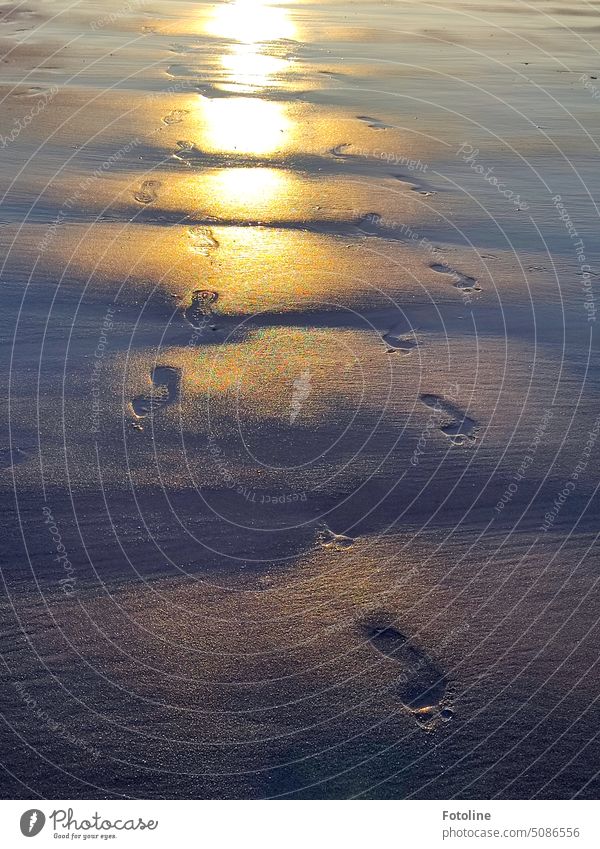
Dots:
pixel 243 186
pixel 252 25
pixel 250 126
pixel 251 22
pixel 249 70
pixel 244 125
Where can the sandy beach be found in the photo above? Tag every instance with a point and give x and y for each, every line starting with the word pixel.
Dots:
pixel 301 424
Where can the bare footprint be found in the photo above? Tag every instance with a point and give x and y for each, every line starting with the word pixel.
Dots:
pixel 147 192
pixel 166 388
pixel 422 685
pixel 340 149
pixel 399 344
pixel 338 542
pixel 415 186
pixel 374 123
pixel 9 458
pixel 201 307
pixel 460 429
pixel 185 151
pixel 31 91
pixel 176 116
pixel 374 224
pixel 460 280
pixel 202 240
pixel 182 49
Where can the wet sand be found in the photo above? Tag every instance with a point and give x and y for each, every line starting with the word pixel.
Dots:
pixel 299 448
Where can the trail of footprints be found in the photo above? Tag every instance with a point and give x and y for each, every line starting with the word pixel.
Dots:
pixel 460 280
pixel 166 380
pixel 422 685
pixel 458 427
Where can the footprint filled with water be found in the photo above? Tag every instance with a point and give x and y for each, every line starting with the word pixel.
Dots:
pixel 460 280
pixel 459 427
pixel 148 191
pixel 166 389
pixel 422 684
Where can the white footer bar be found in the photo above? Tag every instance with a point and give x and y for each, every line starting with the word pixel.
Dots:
pixel 302 824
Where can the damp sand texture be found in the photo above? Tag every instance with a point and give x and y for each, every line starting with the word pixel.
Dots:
pixel 299 454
